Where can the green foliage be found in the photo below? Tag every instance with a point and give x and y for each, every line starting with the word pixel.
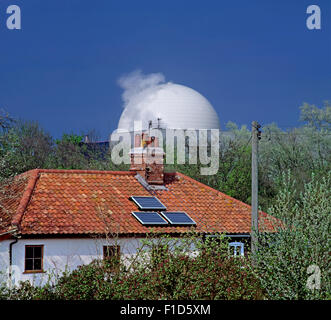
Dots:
pixel 71 139
pixel 302 240
pixel 318 118
pixel 69 153
pixel 23 147
pixel 5 120
pixel 236 178
pixel 85 283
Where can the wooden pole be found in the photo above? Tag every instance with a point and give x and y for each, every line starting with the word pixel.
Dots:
pixel 254 226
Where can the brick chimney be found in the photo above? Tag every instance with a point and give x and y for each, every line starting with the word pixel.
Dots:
pixel 147 158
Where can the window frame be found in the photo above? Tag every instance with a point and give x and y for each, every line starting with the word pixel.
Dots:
pixel 117 250
pixel 234 245
pixel 41 270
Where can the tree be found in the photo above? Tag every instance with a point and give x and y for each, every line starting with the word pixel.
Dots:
pixel 5 120
pixel 304 150
pixel 23 147
pixel 318 118
pixel 69 153
pixel 301 244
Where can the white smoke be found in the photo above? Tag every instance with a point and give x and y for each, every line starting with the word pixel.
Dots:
pixel 139 89
pixel 136 82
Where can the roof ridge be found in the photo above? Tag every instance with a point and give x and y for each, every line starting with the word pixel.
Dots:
pixel 79 171
pixel 34 175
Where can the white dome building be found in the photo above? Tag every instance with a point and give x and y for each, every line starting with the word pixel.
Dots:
pixel 170 106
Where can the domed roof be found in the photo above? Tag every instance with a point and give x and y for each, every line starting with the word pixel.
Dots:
pixel 170 106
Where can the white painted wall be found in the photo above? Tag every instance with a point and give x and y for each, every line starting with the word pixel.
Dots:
pixel 59 255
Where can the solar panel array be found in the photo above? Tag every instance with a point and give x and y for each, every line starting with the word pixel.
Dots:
pixel 148 203
pixel 158 218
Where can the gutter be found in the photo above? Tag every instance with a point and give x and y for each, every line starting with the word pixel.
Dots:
pixel 8 232
pixel 238 235
pixel 10 251
pixel 11 256
pixel 231 235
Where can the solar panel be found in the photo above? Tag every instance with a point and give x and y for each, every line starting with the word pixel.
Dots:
pixel 148 203
pixel 149 218
pixel 181 218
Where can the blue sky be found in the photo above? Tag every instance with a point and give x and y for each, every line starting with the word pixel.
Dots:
pixel 253 60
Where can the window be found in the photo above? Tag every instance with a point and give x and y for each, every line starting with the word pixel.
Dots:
pixel 34 258
pixel 111 253
pixel 237 247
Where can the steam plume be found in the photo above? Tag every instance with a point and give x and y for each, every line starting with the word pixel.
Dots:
pixel 137 87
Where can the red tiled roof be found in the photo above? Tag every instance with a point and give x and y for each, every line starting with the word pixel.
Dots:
pixel 11 198
pixel 95 202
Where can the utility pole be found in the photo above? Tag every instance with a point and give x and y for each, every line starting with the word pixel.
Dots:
pixel 256 136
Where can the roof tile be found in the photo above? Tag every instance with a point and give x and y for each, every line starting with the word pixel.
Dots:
pixel 95 202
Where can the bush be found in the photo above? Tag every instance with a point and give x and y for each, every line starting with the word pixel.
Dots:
pixel 286 260
pixel 210 275
pixel 87 282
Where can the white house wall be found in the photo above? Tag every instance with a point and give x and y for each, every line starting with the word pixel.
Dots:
pixel 59 255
